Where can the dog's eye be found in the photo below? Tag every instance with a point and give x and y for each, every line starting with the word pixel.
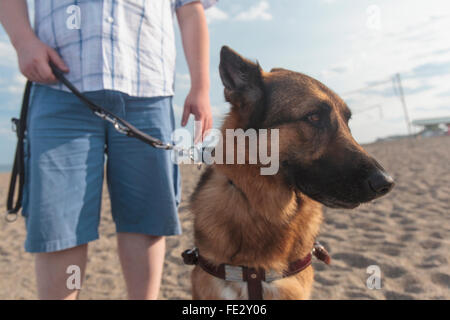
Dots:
pixel 314 118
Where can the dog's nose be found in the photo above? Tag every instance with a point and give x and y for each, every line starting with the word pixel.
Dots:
pixel 380 182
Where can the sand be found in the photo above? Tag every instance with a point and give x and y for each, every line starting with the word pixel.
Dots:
pixel 404 233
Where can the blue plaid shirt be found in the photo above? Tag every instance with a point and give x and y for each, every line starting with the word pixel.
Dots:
pixel 122 45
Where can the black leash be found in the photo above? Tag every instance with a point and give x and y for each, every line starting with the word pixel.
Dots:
pixel 19 126
pixel 119 124
pixel 122 126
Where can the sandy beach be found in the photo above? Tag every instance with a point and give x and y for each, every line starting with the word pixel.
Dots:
pixel 404 233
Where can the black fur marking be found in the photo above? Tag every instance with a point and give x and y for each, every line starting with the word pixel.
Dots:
pixel 260 108
pixel 203 179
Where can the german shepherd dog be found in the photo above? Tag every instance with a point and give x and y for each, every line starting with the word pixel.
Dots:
pixel 242 218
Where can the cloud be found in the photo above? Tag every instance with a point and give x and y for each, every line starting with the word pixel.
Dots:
pixel 214 14
pixel 389 91
pixel 14 85
pixel 431 69
pixel 6 131
pixel 414 44
pixel 256 12
pixel 338 69
pixel 444 94
pixel 7 54
pixel 183 80
pixel 415 47
pixel 178 110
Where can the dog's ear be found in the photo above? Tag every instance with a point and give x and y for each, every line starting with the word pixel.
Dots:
pixel 278 70
pixel 236 72
pixel 243 81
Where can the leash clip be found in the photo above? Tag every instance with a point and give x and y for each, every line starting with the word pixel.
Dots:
pixel 15 125
pixel 120 128
pixel 164 146
pixel 11 216
pixel 190 256
pixel 321 253
pixel 193 151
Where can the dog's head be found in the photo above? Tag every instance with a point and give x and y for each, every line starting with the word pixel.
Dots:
pixel 317 152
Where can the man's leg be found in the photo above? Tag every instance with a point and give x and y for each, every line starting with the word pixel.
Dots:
pixel 52 272
pixel 142 259
pixel 144 187
pixel 64 164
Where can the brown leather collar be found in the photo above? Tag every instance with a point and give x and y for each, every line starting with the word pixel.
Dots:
pixel 253 276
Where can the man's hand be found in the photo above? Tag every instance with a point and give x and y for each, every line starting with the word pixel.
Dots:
pixel 197 103
pixel 34 57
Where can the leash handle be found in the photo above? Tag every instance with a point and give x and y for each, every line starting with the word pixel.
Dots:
pixel 17 179
pixel 59 74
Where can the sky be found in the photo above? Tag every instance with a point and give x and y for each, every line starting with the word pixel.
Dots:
pixel 354 47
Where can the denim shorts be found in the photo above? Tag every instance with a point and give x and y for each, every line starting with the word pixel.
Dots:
pixel 66 150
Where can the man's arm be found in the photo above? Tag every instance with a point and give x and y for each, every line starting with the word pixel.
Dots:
pixel 194 33
pixel 33 55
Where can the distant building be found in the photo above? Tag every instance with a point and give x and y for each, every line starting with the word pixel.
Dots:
pixel 433 127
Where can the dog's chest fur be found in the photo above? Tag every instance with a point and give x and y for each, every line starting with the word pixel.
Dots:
pixel 242 218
